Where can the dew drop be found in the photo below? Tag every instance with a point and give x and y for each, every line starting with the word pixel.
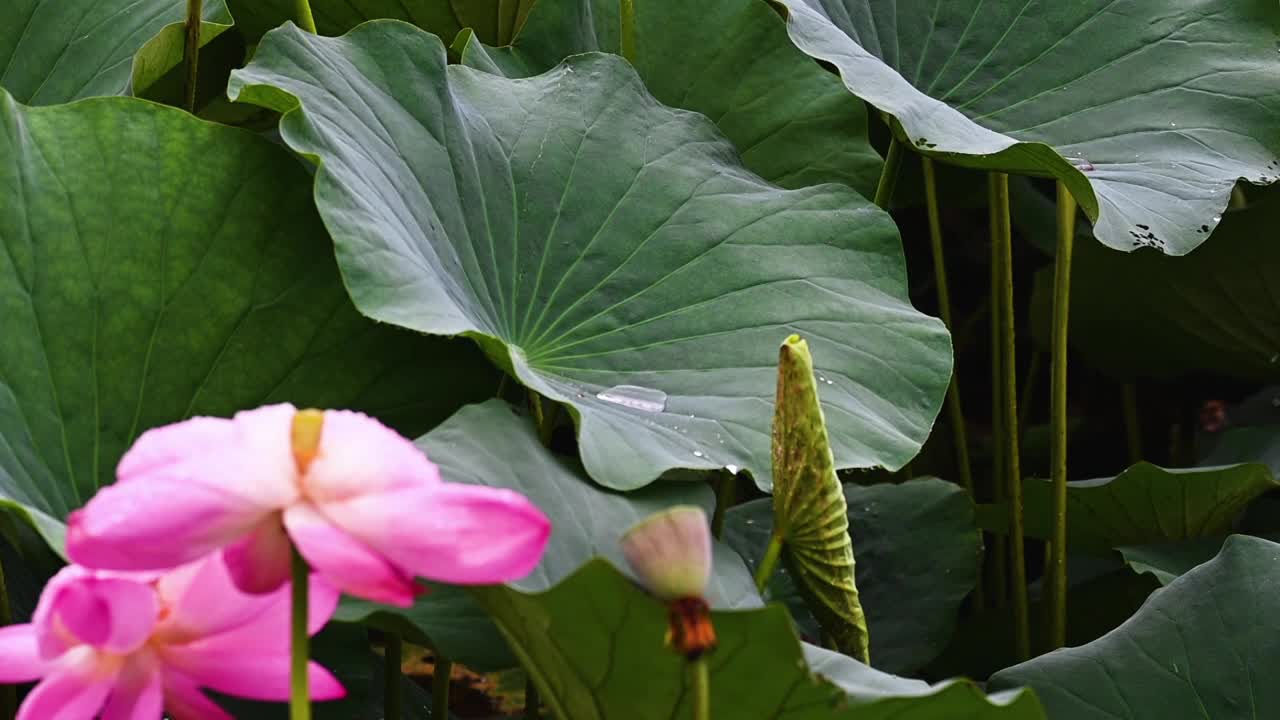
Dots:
pixel 635 397
pixel 1217 218
pixel 733 469
pixel 697 453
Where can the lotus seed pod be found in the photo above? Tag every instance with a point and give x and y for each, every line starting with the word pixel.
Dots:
pixel 670 552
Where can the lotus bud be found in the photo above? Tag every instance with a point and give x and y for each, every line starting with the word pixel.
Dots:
pixel 670 552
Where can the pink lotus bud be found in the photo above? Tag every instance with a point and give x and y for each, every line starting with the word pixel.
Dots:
pixel 670 552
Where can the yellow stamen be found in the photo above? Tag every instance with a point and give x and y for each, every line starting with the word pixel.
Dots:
pixel 305 436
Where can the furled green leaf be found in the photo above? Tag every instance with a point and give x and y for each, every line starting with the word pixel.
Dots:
pixel 609 251
pixel 155 267
pixel 1198 648
pixel 1145 504
pixel 1148 110
pixel 1166 561
pixel 56 51
pixel 488 444
pixel 810 517
pixel 730 60
pixel 594 646
pixel 1146 315
pixel 918 552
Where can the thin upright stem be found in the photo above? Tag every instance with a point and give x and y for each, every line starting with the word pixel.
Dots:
pixel 726 495
pixel 440 682
pixel 1002 238
pixel 1000 591
pixel 889 174
pixel 627 29
pixel 300 642
pixel 544 417
pixel 392 656
pixel 1132 426
pixel 701 679
pixel 302 15
pixel 769 562
pixel 191 52
pixel 955 412
pixel 1058 415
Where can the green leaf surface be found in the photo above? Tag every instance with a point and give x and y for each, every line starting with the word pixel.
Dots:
pixel 594 646
pixel 155 267
pixel 1144 504
pixel 730 60
pixel 335 17
pixel 810 517
pixel 488 444
pixel 1149 111
pixel 918 551
pixel 1196 649
pixel 56 51
pixel 609 251
pixel 1146 315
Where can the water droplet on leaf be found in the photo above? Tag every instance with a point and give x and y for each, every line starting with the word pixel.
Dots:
pixel 635 397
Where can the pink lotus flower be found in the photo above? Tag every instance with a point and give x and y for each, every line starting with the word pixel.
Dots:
pixel 365 508
pixel 122 646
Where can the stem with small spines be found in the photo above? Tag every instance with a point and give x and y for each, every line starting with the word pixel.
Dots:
pixel 1058 416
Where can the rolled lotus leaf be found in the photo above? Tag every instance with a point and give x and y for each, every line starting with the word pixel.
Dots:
pixel 810 516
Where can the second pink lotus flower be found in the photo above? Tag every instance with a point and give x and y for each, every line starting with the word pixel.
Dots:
pixel 365 507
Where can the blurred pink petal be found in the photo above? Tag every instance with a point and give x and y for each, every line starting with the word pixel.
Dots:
pixel 184 701
pixel 20 660
pixel 115 638
pixel 158 524
pixel 344 561
pixel 137 694
pixel 74 689
pixel 170 446
pixel 451 532
pixel 254 675
pixel 359 455
pixel 262 561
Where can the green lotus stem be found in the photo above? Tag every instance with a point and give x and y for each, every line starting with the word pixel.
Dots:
pixel 627 29
pixel 302 14
pixel 726 494
pixel 191 52
pixel 440 687
pixel 769 562
pixel 955 412
pixel 1058 416
pixel 1000 578
pixel 889 175
pixel 1239 200
pixel 701 675
pixel 8 693
pixel 1132 428
pixel 544 417
pixel 392 657
pixel 1002 238
pixel 299 647
pixel 532 702
pixel 507 10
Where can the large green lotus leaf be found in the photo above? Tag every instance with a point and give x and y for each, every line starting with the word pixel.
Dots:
pixel 56 51
pixel 488 444
pixel 1146 315
pixel 609 251
pixel 1198 648
pixel 730 60
pixel 1148 110
pixel 594 645
pixel 156 267
pixel 1144 504
pixel 1166 561
pixel 918 552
